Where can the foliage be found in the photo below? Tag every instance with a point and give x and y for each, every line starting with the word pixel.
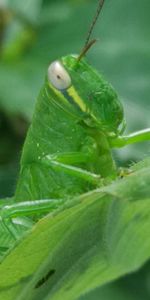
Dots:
pixel 93 240
pixel 97 246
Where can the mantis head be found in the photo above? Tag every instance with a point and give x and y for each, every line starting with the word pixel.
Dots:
pixel 84 92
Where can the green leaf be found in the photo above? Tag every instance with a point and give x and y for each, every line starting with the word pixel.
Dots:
pixel 98 238
pixel 134 286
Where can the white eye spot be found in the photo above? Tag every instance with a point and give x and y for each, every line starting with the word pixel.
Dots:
pixel 58 76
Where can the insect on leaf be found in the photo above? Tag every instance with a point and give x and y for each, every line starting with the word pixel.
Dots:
pixel 84 246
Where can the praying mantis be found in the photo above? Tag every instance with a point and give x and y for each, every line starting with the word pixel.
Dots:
pixel 78 120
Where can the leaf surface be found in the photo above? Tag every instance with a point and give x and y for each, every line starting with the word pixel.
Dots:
pixel 103 236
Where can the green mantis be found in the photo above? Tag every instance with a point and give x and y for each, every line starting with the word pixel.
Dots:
pixel 78 119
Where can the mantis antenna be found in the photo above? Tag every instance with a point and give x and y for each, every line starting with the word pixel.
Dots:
pixel 89 43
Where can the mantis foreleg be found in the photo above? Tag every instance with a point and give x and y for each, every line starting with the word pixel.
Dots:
pixel 58 162
pixel 69 169
pixel 136 137
pixel 70 157
pixel 25 209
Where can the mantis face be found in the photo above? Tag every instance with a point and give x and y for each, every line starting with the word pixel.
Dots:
pixel 84 92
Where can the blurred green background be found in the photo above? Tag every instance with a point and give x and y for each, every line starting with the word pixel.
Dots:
pixel 35 32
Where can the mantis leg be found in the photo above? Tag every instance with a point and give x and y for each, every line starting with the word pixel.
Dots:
pixel 70 157
pixel 69 169
pixel 26 208
pixel 136 137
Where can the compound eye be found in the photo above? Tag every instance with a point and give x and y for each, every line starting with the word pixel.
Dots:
pixel 58 76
